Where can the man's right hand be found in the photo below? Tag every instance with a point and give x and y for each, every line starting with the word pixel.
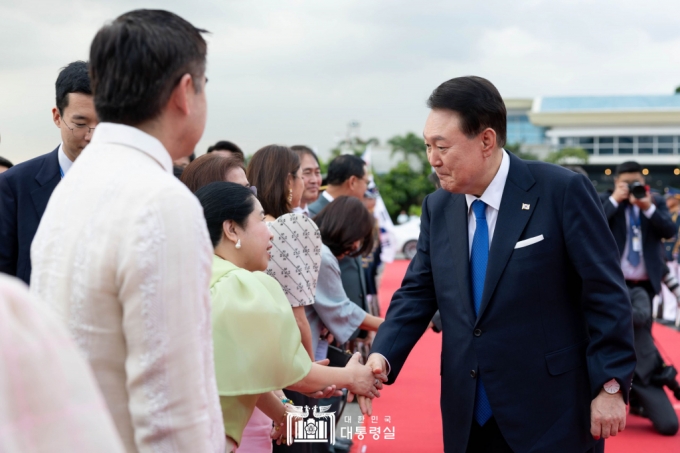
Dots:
pixel 621 192
pixel 378 365
pixel 364 382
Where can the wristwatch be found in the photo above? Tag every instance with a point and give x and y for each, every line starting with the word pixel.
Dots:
pixel 612 387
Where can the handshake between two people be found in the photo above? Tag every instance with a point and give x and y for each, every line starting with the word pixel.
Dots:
pixel 365 381
pixel 378 368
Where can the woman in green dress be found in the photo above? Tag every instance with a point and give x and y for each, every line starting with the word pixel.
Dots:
pixel 256 341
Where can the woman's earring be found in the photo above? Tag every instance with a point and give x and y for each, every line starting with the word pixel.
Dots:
pixel 290 195
pixel 238 244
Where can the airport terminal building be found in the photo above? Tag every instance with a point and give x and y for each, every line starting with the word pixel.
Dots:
pixel 612 129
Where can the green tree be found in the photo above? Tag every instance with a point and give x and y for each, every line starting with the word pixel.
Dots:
pixel 354 145
pixel 677 90
pixel 411 145
pixel 403 188
pixel 574 156
pixel 516 149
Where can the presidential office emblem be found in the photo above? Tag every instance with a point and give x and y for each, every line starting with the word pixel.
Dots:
pixel 303 428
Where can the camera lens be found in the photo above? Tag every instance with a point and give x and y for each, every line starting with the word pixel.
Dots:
pixel 637 190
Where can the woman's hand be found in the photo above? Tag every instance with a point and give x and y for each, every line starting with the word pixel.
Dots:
pixel 279 432
pixel 363 381
pixel 328 391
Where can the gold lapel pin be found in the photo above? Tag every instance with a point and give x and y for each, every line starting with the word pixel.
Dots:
pixel 525 207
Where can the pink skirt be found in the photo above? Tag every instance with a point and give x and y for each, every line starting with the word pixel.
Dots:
pixel 257 434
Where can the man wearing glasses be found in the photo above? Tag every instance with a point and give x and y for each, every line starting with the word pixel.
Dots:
pixel 26 188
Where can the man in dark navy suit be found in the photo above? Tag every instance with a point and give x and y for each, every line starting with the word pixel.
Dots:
pixel 537 340
pixel 639 226
pixel 26 188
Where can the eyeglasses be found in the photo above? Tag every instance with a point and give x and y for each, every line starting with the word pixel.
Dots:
pixel 79 131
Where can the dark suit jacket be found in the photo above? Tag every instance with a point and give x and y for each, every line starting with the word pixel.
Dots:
pixel 351 270
pixel 25 190
pixel 648 358
pixel 317 206
pixel 659 226
pixel 555 318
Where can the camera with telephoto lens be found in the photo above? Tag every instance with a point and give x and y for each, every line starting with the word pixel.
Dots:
pixel 665 376
pixel 637 189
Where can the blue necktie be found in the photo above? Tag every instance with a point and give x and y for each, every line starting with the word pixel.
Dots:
pixel 633 222
pixel 478 262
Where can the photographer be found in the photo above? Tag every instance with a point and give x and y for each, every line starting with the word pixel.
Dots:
pixel 671 291
pixel 639 222
pixel 647 397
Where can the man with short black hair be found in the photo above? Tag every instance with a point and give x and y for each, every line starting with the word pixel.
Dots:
pixel 123 254
pixel 5 164
pixel 227 147
pixel 639 221
pixel 537 347
pixel 347 175
pixel 26 188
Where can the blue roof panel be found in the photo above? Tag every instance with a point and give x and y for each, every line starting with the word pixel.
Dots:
pixel 609 103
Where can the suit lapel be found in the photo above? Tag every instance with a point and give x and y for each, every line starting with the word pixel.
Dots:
pixel 47 178
pixel 644 224
pixel 512 219
pixel 620 227
pixel 457 224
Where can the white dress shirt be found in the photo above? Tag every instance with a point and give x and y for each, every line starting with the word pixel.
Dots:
pixel 631 272
pixel 303 211
pixel 492 196
pixel 122 254
pixel 327 196
pixel 64 162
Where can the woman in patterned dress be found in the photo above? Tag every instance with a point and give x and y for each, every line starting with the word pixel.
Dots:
pixel 296 252
pixel 275 171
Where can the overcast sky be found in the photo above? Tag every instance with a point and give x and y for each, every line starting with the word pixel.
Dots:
pixel 300 71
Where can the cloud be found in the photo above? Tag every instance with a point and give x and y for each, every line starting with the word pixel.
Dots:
pixel 298 71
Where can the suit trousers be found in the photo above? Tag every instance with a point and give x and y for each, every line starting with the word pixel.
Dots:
pixel 644 284
pixel 489 439
pixel 657 407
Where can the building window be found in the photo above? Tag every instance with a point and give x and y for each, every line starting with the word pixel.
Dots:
pixel 520 130
pixel 624 145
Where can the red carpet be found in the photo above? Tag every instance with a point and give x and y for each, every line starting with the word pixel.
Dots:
pixel 412 402
pixel 639 435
